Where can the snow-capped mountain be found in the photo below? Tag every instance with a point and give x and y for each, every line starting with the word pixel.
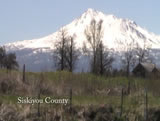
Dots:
pixel 38 52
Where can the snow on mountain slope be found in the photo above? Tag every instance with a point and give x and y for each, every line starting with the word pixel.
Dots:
pixel 115 29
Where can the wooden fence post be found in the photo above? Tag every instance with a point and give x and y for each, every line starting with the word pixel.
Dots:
pixel 24 73
pixel 38 108
pixel 146 106
pixel 70 100
pixel 129 87
pixel 122 96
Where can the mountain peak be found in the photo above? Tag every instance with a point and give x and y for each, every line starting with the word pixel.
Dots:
pixel 114 29
pixel 90 10
pixel 95 14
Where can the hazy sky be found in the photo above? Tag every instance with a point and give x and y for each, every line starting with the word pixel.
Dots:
pixel 29 19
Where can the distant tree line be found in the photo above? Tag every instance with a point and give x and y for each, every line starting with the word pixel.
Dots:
pixel 7 60
pixel 101 58
pixel 66 53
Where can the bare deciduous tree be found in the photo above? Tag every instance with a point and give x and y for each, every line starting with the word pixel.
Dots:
pixel 129 57
pixel 72 54
pixel 142 52
pixel 93 35
pixel 104 60
pixel 60 50
pixel 65 54
pixel 100 61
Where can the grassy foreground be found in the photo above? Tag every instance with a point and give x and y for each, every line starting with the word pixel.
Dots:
pixel 88 91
